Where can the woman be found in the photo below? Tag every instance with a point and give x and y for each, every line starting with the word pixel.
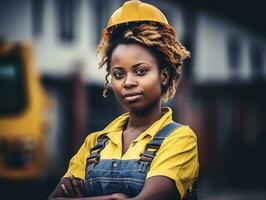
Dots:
pixel 141 154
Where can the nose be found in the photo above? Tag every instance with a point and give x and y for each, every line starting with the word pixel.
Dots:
pixel 130 81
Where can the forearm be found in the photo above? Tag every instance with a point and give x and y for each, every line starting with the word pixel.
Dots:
pixel 158 188
pixel 73 188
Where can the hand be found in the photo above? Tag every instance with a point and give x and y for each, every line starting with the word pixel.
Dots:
pixel 119 196
pixel 74 187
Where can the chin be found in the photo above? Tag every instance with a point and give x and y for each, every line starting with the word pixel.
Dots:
pixel 140 107
pixel 132 107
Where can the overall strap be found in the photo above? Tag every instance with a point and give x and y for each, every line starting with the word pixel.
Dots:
pixel 150 152
pixel 154 145
pixel 95 152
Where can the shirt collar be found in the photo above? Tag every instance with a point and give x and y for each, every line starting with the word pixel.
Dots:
pixel 157 125
pixel 114 129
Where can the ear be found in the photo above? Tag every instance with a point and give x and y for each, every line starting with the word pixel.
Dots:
pixel 164 76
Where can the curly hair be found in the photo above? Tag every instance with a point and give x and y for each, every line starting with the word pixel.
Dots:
pixel 157 38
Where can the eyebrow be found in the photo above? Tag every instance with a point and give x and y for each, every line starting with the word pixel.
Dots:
pixel 133 66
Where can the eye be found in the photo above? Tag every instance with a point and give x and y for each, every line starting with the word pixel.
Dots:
pixel 118 74
pixel 141 71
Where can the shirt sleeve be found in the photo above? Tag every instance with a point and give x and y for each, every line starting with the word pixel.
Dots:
pixel 177 159
pixel 77 163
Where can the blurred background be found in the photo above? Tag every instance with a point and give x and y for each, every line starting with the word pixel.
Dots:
pixel 51 90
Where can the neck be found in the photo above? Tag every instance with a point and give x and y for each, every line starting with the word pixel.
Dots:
pixel 142 119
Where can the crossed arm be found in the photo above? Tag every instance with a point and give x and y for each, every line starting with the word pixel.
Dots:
pixel 155 188
pixel 184 161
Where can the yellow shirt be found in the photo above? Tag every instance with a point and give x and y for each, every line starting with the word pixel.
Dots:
pixel 176 159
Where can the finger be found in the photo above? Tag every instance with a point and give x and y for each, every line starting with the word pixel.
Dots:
pixel 64 190
pixel 70 188
pixel 81 184
pixel 76 186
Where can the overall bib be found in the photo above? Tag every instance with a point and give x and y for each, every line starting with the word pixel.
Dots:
pixel 108 176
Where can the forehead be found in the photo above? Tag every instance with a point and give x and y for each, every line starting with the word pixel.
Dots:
pixel 127 53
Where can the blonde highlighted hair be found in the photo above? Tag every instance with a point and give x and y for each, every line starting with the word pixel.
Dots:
pixel 160 40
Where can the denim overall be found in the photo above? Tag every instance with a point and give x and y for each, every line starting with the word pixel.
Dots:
pixel 110 176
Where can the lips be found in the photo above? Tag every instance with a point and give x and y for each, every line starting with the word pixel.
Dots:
pixel 132 94
pixel 132 97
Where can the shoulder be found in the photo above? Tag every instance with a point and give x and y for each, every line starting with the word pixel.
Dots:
pixel 89 142
pixel 183 131
pixel 91 139
pixel 113 126
pixel 182 136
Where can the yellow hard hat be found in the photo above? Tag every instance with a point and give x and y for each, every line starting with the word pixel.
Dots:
pixel 135 10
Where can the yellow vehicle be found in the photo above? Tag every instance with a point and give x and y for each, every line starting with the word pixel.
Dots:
pixel 23 122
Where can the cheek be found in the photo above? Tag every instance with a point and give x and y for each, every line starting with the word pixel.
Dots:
pixel 116 87
pixel 152 85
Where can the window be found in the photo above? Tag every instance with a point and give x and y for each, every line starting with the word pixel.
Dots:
pixel 12 93
pixel 66 10
pixel 256 61
pixel 234 46
pixel 37 16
